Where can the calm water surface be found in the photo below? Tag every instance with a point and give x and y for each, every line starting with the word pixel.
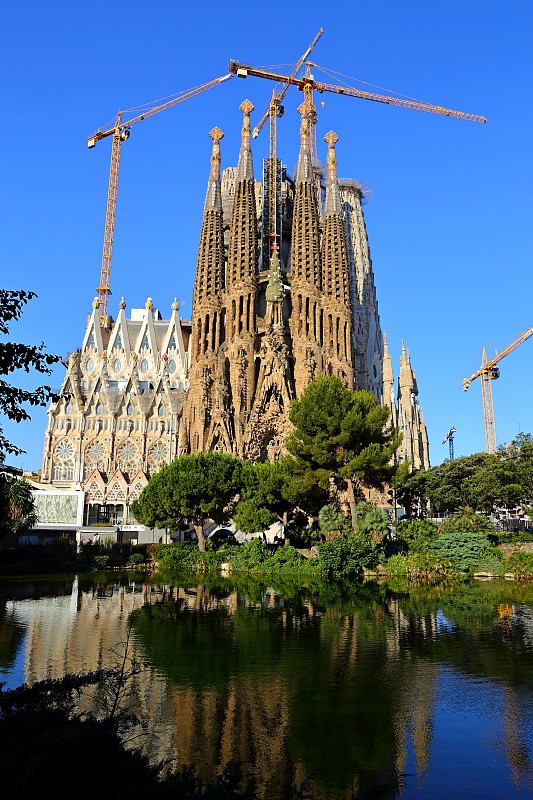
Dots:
pixel 320 693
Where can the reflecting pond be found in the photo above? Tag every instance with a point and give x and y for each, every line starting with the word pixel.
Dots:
pixel 367 691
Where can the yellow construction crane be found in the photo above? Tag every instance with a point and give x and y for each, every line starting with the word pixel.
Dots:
pixel 307 84
pixel 488 372
pixel 275 110
pixel 120 131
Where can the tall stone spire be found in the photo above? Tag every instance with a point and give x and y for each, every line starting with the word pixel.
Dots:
pixel 208 317
pixel 245 170
pixel 304 166
pixel 241 289
pixel 333 200
pixel 389 398
pixel 336 277
pixel 213 198
pixel 414 447
pixel 366 324
pixel 307 320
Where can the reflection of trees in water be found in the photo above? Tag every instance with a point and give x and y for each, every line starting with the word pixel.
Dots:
pixel 325 688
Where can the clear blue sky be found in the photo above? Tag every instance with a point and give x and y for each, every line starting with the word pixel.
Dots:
pixel 450 217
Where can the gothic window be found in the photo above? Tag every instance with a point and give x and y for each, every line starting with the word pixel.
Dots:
pixel 99 409
pixel 90 365
pixel 172 345
pixel 146 343
pixel 161 410
pixel 118 341
pixel 116 492
pixel 68 408
pixel 63 462
pixel 144 365
pixel 136 491
pixel 94 459
pixel 127 458
pixel 94 492
pixel 117 366
pixel 92 343
pixel 157 457
pixel 172 366
pixel 130 410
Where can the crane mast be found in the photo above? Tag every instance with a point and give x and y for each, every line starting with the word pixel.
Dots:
pixel 488 372
pixel 120 132
pixel 449 438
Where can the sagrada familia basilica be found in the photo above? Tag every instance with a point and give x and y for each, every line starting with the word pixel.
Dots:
pixel 270 314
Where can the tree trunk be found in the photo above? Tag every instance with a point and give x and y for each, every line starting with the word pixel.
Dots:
pixel 351 500
pixel 199 530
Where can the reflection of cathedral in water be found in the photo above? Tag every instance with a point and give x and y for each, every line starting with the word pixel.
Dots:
pixel 233 679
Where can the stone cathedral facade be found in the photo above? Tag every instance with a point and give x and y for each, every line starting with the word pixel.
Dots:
pixel 275 305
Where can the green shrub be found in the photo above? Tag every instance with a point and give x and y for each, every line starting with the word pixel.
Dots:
pixel 374 523
pixel 287 559
pixel 466 520
pixel 101 561
pixel 136 558
pixel 505 537
pixel 250 556
pixel 422 566
pixel 521 564
pixel 181 556
pixel 493 565
pixel 301 537
pixel 465 550
pixel 416 533
pixel 346 556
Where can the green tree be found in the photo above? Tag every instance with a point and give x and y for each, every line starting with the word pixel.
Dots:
pixel 196 487
pixel 17 508
pixel 14 356
pixel 483 481
pixel 331 518
pixel 520 452
pixel 344 436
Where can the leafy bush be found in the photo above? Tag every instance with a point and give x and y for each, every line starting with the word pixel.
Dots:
pixel 101 561
pixel 422 566
pixel 521 564
pixel 182 556
pixel 505 537
pixel 250 556
pixel 301 537
pixel 493 565
pixel 287 559
pixel 374 523
pixel 466 520
pixel 346 556
pixel 136 558
pixel 465 550
pixel 416 533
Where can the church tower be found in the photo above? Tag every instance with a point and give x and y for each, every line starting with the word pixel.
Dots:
pixel 410 418
pixel 203 428
pixel 241 288
pixel 367 337
pixel 337 310
pixel 307 319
